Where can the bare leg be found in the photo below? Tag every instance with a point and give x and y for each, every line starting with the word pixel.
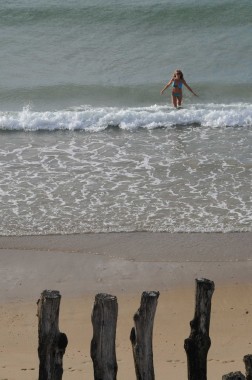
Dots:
pixel 174 101
pixel 179 101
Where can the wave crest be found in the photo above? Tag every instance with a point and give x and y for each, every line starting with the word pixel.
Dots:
pixel 95 119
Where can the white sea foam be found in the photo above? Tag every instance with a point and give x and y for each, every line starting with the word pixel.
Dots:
pixel 180 170
pixel 175 179
pixel 94 119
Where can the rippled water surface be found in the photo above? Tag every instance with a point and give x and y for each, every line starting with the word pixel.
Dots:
pixel 167 179
pixel 87 143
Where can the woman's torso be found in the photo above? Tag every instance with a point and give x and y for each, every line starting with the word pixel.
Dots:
pixel 177 86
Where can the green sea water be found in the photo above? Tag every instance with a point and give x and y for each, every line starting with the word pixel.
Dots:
pixel 88 144
pixel 66 53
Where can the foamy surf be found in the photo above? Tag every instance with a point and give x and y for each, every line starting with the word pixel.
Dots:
pixel 95 119
pixel 177 179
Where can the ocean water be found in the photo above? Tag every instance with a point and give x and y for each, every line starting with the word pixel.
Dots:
pixel 88 144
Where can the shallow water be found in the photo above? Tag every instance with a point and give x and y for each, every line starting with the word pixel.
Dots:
pixel 181 178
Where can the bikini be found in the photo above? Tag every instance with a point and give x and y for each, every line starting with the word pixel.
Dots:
pixel 179 85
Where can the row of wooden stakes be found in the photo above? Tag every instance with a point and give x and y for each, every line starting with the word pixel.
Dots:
pixel 53 343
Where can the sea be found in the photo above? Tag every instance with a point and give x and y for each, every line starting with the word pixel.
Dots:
pixel 88 144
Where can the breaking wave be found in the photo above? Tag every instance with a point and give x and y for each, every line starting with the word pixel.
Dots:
pixel 95 119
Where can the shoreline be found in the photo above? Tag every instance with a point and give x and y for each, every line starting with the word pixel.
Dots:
pixel 77 265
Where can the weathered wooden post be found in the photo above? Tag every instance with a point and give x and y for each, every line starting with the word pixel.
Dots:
pixel 233 376
pixel 199 342
pixel 141 336
pixel 248 365
pixel 52 343
pixel 103 353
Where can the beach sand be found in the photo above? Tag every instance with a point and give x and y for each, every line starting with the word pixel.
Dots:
pixel 126 264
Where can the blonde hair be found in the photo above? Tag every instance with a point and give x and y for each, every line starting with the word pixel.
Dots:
pixel 180 73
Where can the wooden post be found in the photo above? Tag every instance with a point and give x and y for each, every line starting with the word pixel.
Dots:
pixel 141 336
pixel 248 365
pixel 52 343
pixel 233 376
pixel 103 353
pixel 199 342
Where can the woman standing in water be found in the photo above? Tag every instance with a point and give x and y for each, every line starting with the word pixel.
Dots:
pixel 177 81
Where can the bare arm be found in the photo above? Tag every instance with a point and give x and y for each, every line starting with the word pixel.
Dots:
pixel 166 86
pixel 189 88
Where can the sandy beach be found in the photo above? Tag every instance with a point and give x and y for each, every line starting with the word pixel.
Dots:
pixel 125 264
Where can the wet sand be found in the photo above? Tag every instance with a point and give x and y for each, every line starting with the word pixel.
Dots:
pixel 125 264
